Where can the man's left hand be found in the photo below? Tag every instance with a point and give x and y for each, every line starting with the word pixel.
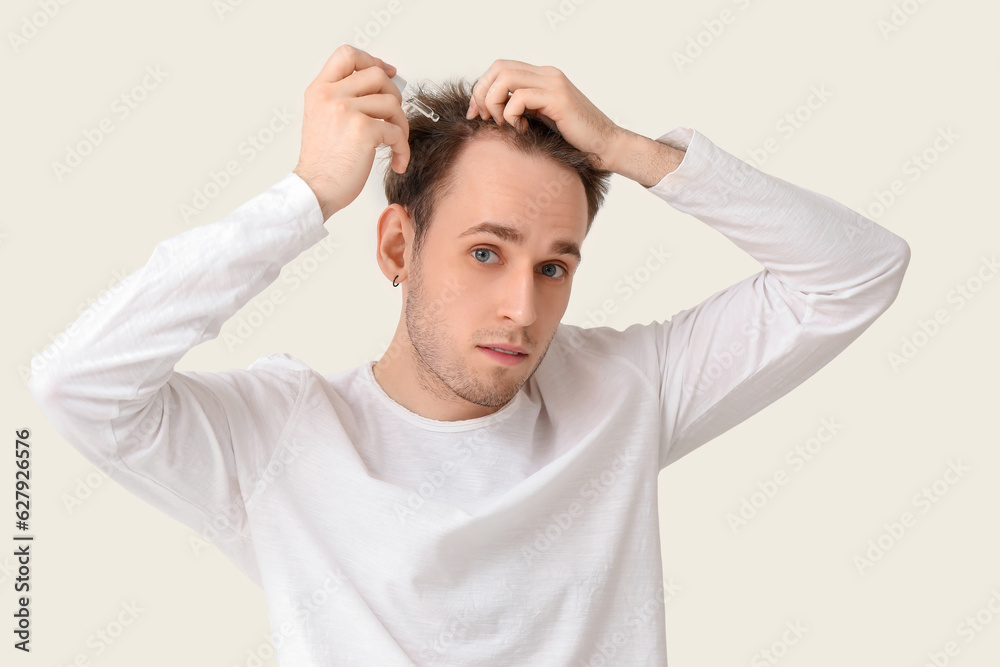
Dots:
pixel 511 89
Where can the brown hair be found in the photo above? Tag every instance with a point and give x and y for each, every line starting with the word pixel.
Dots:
pixel 435 146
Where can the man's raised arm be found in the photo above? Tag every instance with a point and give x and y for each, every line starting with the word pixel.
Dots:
pixel 829 272
pixel 193 443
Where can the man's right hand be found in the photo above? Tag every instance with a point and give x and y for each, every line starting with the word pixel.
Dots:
pixel 351 108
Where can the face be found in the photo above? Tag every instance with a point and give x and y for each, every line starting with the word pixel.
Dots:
pixel 494 268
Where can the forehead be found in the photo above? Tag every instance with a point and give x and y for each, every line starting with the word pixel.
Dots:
pixel 493 181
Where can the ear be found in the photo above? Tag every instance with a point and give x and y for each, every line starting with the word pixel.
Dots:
pixel 394 242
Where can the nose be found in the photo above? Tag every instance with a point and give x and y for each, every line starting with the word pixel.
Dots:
pixel 518 297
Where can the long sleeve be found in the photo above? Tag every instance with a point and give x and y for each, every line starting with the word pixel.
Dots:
pixel 828 273
pixel 190 443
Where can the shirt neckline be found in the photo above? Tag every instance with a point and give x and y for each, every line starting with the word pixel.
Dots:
pixel 435 424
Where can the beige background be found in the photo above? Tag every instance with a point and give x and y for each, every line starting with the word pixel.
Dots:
pixel 64 242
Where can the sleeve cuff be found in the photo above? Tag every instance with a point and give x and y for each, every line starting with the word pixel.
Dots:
pixel 299 192
pixel 706 171
pixel 681 138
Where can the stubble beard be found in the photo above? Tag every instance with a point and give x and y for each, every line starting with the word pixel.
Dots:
pixel 440 367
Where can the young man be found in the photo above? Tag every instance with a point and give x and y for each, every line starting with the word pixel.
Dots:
pixel 484 494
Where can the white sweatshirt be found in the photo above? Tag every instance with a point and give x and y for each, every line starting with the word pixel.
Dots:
pixel 526 537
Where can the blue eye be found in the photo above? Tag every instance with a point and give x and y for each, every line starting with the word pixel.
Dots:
pixel 482 250
pixel 488 250
pixel 558 267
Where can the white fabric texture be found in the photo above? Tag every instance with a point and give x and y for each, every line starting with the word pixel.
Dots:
pixel 526 537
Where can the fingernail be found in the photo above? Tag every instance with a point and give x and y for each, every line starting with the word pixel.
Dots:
pixel 469 114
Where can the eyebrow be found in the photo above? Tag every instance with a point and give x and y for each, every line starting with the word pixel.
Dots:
pixel 514 235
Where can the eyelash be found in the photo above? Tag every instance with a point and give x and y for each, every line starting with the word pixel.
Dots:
pixel 564 274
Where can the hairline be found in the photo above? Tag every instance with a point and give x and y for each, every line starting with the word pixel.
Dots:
pixel 449 181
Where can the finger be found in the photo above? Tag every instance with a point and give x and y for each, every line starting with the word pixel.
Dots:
pixel 384 106
pixel 535 102
pixel 394 131
pixel 484 82
pixel 390 134
pixel 369 81
pixel 542 117
pixel 508 81
pixel 395 139
pixel 347 59
pixel 395 134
